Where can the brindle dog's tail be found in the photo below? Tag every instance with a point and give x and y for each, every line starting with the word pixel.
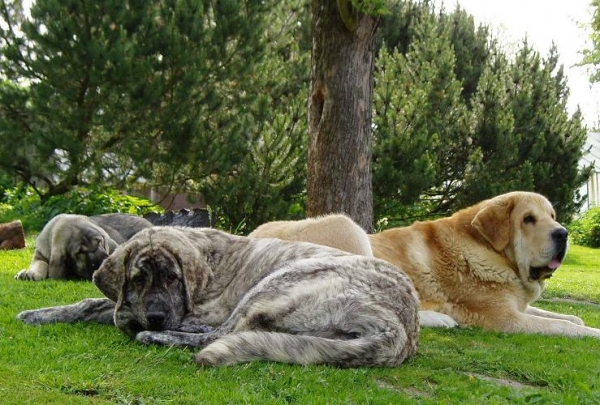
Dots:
pixel 380 349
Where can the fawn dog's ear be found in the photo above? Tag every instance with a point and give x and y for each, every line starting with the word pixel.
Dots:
pixel 493 222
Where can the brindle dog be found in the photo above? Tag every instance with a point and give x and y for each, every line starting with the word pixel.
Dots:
pixel 265 298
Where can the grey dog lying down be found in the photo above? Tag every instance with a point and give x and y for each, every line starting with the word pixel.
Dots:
pixel 246 299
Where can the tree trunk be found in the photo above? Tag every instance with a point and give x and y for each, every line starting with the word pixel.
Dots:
pixel 12 235
pixel 340 115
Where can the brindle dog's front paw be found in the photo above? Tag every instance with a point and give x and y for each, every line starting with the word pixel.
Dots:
pixel 31 317
pixel 173 338
pixel 194 325
pixel 148 337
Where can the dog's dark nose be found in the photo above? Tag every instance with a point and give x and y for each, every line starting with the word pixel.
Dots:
pixel 155 320
pixel 560 235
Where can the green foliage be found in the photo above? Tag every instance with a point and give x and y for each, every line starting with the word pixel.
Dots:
pixel 370 7
pixel 458 121
pixel 210 97
pixel 95 89
pixel 551 141
pixel 25 205
pixel 422 131
pixel 591 56
pixel 585 230
pixel 6 183
pixel 473 46
pixel 179 94
pixel 470 44
pixel 269 182
pixel 494 140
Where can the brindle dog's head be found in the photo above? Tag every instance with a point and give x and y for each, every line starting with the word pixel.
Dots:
pixel 153 278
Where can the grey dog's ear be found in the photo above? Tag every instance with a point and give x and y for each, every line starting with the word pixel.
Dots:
pixel 111 245
pixel 110 277
pixel 493 222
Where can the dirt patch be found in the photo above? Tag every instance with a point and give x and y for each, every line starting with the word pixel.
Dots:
pixel 410 391
pixel 570 301
pixel 502 381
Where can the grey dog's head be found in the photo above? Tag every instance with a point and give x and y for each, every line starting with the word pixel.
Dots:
pixel 153 278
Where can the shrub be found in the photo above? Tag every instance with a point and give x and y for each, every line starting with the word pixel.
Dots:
pixel 585 231
pixel 24 204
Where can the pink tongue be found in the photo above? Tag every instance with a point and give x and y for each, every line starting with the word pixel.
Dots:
pixel 554 264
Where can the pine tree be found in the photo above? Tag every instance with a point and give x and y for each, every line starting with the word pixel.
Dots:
pixel 471 47
pixel 551 140
pixel 496 168
pixel 115 91
pixel 457 122
pixel 421 124
pixel 524 136
pixel 269 183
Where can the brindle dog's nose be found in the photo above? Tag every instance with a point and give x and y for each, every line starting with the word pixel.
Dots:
pixel 560 235
pixel 155 320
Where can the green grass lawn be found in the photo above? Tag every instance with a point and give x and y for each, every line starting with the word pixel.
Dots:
pixel 86 363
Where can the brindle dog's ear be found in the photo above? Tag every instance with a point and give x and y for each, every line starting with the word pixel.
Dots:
pixel 190 248
pixel 493 222
pixel 197 273
pixel 110 277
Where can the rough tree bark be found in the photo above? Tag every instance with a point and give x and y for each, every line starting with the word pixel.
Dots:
pixel 339 111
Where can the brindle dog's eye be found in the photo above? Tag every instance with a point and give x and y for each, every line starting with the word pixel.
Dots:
pixel 139 281
pixel 529 219
pixel 171 278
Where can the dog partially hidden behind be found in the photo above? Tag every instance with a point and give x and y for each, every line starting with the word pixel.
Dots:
pixel 340 232
pixel 337 231
pixel 266 299
pixel 482 266
pixel 74 246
